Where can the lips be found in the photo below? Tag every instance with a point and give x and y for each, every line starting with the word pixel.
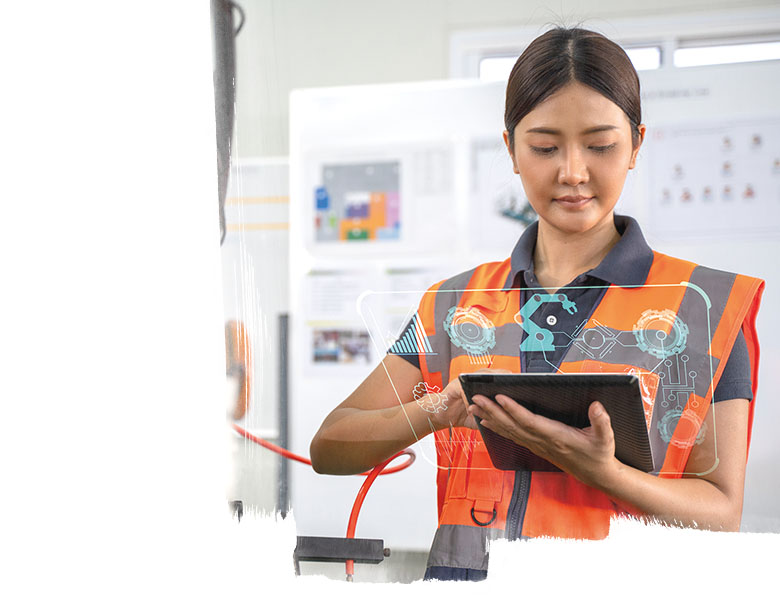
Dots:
pixel 574 201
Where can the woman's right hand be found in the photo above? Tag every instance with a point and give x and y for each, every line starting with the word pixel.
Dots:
pixel 452 397
pixel 446 408
pixel 381 417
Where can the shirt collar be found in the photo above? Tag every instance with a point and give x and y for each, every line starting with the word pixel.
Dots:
pixel 627 263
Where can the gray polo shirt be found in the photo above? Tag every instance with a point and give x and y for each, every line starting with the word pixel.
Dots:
pixel 627 264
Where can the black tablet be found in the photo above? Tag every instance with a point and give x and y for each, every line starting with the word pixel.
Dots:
pixel 566 398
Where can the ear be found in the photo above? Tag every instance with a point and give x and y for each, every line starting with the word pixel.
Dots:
pixel 511 154
pixel 635 151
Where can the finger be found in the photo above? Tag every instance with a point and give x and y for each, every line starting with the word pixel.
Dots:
pixel 529 420
pixel 537 429
pixel 470 422
pixel 454 388
pixel 519 412
pixel 486 411
pixel 474 411
pixel 495 415
pixel 600 422
pixel 482 403
pixel 485 408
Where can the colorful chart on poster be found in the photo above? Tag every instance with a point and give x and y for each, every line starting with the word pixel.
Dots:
pixel 358 203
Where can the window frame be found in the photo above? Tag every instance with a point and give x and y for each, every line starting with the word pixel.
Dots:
pixel 469 47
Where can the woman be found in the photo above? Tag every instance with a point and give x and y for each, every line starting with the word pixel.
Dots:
pixel 573 130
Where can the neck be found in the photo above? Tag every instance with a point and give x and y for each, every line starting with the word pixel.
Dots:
pixel 560 256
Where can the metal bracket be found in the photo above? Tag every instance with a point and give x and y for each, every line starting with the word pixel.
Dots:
pixel 332 549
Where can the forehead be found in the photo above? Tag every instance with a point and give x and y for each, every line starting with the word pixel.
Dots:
pixel 577 107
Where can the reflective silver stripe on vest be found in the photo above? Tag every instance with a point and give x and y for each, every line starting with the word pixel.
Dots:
pixel 700 321
pixel 508 338
pixel 702 324
pixel 689 370
pixel 447 296
pixel 461 546
pixel 717 285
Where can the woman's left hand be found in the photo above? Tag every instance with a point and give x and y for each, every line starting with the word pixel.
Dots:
pixel 588 454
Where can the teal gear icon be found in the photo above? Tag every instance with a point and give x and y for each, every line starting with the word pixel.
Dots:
pixel 668 424
pixel 652 338
pixel 470 329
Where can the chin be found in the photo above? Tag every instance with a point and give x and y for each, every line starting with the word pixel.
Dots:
pixel 576 219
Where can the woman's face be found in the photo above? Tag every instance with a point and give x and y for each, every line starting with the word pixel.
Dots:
pixel 573 152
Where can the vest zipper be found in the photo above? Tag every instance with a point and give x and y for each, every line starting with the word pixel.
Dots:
pixel 518 504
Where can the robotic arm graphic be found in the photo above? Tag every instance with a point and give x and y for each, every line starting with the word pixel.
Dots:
pixel 540 339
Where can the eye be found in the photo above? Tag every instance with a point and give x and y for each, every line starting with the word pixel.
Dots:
pixel 602 149
pixel 543 150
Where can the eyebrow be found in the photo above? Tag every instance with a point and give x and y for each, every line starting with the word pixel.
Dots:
pixel 551 131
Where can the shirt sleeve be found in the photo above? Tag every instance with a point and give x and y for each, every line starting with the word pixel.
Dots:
pixel 406 351
pixel 736 380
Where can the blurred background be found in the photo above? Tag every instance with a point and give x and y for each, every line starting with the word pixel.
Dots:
pixel 346 103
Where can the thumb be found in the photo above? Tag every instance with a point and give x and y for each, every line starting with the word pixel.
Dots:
pixel 469 421
pixel 600 421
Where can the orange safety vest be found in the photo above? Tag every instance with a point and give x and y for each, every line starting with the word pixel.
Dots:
pixel 477 502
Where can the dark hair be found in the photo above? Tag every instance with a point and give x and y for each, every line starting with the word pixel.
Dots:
pixel 563 55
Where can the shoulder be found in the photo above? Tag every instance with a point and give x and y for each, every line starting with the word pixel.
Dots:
pixel 723 292
pixel 671 267
pixel 485 275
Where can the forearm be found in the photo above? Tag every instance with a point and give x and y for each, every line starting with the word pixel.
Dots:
pixel 689 502
pixel 353 440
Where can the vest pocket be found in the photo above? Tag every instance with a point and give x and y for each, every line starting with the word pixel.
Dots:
pixel 485 487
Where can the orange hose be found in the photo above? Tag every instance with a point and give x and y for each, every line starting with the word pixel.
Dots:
pixel 306 461
pixel 353 517
pixel 270 446
pixel 370 477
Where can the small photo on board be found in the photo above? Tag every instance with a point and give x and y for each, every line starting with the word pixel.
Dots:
pixel 338 346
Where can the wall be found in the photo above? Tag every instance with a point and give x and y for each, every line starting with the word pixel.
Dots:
pixel 288 44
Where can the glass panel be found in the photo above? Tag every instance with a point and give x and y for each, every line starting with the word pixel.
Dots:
pixel 645 59
pixel 496 68
pixel 732 53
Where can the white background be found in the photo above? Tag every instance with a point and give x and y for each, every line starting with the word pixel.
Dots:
pixel 112 321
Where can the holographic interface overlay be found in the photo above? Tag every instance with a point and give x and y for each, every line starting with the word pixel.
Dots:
pixel 458 331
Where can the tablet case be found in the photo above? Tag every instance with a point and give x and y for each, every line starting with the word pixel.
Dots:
pixel 566 398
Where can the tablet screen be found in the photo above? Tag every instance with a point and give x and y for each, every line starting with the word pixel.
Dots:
pixel 566 398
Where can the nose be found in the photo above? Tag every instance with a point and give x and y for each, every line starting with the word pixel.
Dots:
pixel 573 169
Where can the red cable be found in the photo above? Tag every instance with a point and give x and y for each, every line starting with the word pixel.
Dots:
pixel 371 476
pixel 353 517
pixel 306 461
pixel 270 446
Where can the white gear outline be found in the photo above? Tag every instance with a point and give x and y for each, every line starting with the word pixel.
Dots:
pixel 429 397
